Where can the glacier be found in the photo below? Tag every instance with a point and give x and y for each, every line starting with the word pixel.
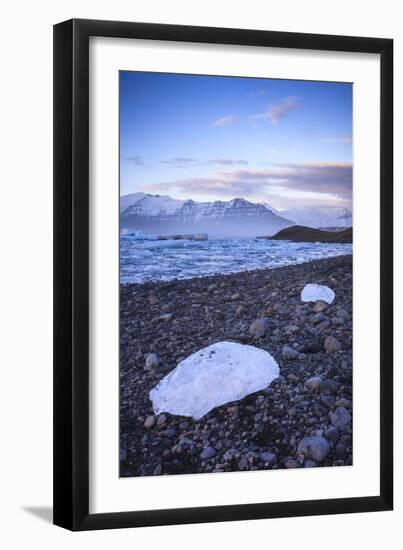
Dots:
pixel 215 375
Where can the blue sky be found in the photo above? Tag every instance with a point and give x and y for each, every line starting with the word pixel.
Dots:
pixel 285 142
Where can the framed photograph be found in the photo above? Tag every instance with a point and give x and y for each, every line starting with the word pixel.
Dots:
pixel 223 339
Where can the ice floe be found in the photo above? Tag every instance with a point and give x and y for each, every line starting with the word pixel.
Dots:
pixel 213 376
pixel 314 292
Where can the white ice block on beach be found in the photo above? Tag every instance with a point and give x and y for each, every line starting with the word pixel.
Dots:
pixel 314 292
pixel 213 376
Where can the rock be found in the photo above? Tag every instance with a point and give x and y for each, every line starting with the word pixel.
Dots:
pixel 268 458
pixel 323 325
pixel 230 455
pixel 319 306
pixel 314 292
pixel 338 321
pixel 331 344
pixel 235 296
pixel 170 432
pixel 318 318
pixel 329 386
pixel 327 400
pixel 313 383
pixel 289 463
pixel 313 347
pixel 340 449
pixel 207 453
pixel 289 353
pixel 166 317
pixel 314 447
pixel 239 310
pixel 150 422
pixel 122 454
pixel 260 327
pixel 185 442
pixel 213 376
pixel 158 470
pixel 152 300
pixel 332 434
pixel 152 361
pixel 342 313
pixel 343 402
pixel 310 464
pixel 243 463
pixel 340 418
pixel 161 419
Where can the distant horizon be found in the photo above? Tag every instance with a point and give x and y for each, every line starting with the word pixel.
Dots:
pixel 207 138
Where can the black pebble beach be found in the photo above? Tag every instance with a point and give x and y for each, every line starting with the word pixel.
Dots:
pixel 312 398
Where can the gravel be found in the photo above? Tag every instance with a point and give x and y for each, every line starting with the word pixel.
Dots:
pixel 312 398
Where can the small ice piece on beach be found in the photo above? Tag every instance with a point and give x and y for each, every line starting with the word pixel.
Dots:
pixel 213 376
pixel 314 292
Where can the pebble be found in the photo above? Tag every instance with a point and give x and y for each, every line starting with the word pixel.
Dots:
pixel 290 463
pixel 152 361
pixel 315 447
pixel 314 347
pixel 318 318
pixel 269 458
pixel 123 454
pixel 319 306
pixel 289 353
pixel 260 327
pixel 207 453
pixel 327 400
pixel 313 383
pixel 331 344
pixel 342 313
pixel 170 432
pixel 157 470
pixel 150 422
pixel 340 449
pixel 332 434
pixel 239 310
pixel 323 325
pixel 340 418
pixel 329 386
pixel 161 419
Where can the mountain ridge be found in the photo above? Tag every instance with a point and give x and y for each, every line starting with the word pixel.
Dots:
pixel 161 214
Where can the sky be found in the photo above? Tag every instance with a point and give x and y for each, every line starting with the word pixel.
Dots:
pixel 285 142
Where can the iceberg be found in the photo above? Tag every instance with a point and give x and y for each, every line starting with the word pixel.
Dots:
pixel 215 375
pixel 314 292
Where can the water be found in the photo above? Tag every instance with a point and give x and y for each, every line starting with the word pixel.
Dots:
pixel 144 260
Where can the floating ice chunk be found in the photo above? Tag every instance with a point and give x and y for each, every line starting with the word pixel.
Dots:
pixel 314 292
pixel 212 376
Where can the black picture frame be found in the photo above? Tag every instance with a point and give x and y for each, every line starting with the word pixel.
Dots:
pixel 71 274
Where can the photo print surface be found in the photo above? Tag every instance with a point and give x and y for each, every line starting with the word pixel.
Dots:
pixel 235 274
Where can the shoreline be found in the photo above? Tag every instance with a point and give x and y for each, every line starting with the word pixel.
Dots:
pixel 256 270
pixel 175 318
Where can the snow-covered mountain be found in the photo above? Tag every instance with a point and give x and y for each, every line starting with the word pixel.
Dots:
pixel 149 204
pixel 163 215
pixel 319 217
